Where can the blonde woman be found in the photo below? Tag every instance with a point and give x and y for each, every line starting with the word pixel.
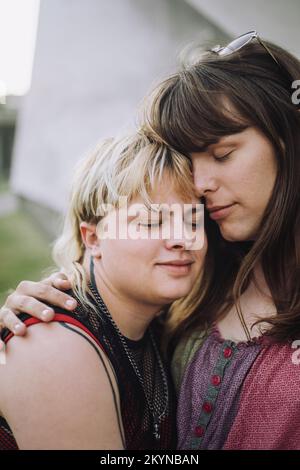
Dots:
pixel 94 378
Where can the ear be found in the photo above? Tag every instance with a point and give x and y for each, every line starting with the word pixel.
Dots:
pixel 90 239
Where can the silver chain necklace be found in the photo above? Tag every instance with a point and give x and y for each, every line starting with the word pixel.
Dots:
pixel 156 417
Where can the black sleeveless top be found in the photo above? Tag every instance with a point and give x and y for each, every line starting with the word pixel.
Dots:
pixel 136 416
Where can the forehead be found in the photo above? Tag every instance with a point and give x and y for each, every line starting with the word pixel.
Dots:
pixel 170 191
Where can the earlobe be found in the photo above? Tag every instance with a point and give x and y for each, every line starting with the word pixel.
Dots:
pixel 90 239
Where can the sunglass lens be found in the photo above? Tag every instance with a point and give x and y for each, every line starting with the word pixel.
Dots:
pixel 237 43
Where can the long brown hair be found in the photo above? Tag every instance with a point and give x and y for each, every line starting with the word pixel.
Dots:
pixel 187 112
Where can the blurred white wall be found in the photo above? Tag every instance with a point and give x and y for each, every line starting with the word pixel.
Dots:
pixel 96 59
pixel 274 20
pixel 94 62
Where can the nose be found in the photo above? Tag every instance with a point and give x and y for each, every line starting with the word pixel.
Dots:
pixel 176 244
pixel 204 177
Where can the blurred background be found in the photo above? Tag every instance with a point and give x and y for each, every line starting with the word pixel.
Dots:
pixel 74 71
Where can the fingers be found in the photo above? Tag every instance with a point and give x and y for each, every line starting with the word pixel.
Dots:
pixel 58 280
pixel 9 320
pixel 28 298
pixel 30 305
pixel 38 290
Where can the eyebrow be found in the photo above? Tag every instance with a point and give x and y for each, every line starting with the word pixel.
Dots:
pixel 147 211
pixel 224 144
pixel 218 141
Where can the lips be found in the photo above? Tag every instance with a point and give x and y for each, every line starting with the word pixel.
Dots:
pixel 177 267
pixel 220 212
pixel 177 263
pixel 217 208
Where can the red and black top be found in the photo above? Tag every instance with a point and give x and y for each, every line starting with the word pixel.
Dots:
pixel 135 414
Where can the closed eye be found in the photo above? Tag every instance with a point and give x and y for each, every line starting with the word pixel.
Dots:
pixel 223 158
pixel 153 220
pixel 150 224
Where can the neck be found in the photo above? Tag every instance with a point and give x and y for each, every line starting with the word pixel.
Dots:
pixel 257 300
pixel 259 281
pixel 132 316
pixel 256 303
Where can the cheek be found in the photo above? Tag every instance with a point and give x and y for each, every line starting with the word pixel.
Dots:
pixel 258 186
pixel 131 254
pixel 253 176
pixel 141 251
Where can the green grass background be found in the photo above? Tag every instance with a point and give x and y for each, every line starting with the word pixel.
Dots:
pixel 24 252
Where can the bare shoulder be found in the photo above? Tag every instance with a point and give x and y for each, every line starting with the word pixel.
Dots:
pixel 58 390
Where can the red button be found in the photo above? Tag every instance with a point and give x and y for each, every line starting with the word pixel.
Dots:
pixel 199 431
pixel 227 352
pixel 216 380
pixel 207 407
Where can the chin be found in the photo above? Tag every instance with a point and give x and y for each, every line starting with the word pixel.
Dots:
pixel 175 295
pixel 236 234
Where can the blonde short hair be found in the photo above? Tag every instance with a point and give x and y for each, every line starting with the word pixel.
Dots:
pixel 128 166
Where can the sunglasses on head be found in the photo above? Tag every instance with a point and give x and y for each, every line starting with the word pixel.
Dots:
pixel 242 41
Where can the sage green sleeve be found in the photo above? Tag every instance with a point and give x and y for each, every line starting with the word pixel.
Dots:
pixel 183 355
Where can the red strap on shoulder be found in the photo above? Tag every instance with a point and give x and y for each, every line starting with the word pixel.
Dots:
pixel 59 317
